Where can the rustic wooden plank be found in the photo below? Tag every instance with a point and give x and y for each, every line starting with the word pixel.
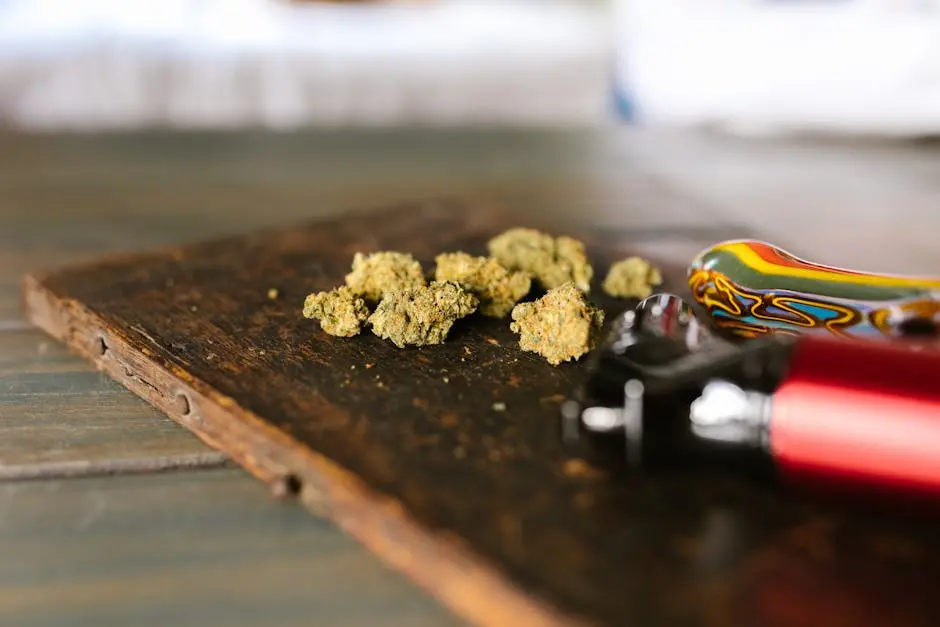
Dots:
pixel 182 548
pixel 64 198
pixel 60 417
pixel 74 196
pixel 475 505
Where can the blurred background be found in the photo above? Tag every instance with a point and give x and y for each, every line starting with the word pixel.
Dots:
pixel 285 64
pixel 667 124
pixel 863 67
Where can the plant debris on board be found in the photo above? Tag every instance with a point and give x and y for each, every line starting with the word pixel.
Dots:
pixel 561 326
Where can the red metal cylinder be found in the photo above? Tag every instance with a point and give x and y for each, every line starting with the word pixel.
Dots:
pixel 866 414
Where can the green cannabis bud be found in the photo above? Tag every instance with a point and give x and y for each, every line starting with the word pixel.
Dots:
pixel 375 275
pixel 497 288
pixel 420 316
pixel 553 261
pixel 560 326
pixel 632 276
pixel 340 311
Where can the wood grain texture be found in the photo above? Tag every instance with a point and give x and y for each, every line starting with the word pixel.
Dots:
pixel 66 198
pixel 69 199
pixel 205 548
pixel 482 508
pixel 60 417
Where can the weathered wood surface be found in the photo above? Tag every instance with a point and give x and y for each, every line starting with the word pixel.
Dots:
pixel 482 508
pixel 68 198
pixel 187 548
pixel 65 199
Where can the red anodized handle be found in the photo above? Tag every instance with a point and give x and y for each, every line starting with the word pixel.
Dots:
pixel 862 413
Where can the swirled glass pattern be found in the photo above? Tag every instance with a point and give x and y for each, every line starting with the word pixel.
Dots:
pixel 751 288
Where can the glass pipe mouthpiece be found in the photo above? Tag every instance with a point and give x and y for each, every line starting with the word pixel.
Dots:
pixel 647 380
pixel 666 315
pixel 751 288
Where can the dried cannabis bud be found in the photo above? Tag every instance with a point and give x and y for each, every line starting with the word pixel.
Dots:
pixel 420 316
pixel 560 326
pixel 553 261
pixel 633 276
pixel 340 311
pixel 382 273
pixel 497 288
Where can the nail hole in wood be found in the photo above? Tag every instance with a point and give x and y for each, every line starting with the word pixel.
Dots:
pixel 101 347
pixel 183 406
pixel 287 486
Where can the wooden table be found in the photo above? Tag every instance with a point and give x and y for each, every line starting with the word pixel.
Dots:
pixel 111 513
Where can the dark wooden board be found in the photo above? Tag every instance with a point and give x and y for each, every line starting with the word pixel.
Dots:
pixel 403 450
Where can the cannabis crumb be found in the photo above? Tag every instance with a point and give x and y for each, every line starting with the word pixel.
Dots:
pixel 581 469
pixel 497 288
pixel 273 293
pixel 560 326
pixel 340 311
pixel 375 275
pixel 553 261
pixel 421 316
pixel 632 277
pixel 499 406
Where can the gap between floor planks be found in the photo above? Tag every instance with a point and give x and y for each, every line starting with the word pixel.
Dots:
pixel 60 418
pixel 208 548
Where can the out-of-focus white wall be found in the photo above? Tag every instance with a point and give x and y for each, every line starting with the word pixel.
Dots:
pixel 92 64
pixel 858 67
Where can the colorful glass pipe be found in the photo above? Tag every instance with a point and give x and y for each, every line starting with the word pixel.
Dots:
pixel 751 288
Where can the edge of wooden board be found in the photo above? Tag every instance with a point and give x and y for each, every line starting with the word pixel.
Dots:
pixel 438 563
